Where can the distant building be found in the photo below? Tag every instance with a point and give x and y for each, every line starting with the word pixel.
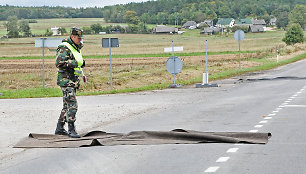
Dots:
pixel 245 21
pixel 209 23
pixel 272 21
pixel 190 25
pixel 207 30
pixel 256 28
pixel 164 29
pixel 56 31
pixel 224 22
pixel 210 30
pixel 259 22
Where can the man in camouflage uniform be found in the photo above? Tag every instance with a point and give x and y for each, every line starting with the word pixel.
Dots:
pixel 69 61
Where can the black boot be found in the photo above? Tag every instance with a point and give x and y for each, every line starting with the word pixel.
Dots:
pixel 60 130
pixel 71 131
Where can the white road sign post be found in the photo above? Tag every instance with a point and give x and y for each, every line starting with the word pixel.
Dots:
pixel 277 55
pixel 239 35
pixel 174 64
pixel 49 43
pixel 205 75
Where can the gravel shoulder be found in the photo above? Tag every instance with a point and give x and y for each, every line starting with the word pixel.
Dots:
pixel 19 117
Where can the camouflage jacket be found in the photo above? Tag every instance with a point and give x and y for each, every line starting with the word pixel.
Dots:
pixel 66 63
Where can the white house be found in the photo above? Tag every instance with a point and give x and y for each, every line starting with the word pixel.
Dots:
pixel 56 31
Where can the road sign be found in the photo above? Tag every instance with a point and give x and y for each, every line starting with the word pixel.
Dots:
pixel 47 42
pixel 174 65
pixel 114 42
pixel 239 35
pixel 170 49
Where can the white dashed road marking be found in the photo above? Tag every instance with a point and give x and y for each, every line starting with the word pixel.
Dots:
pixel 257 126
pixel 222 159
pixel 212 169
pixel 298 106
pixel 232 150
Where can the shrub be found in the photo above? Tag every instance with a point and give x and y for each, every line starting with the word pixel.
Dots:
pixel 87 30
pixel 294 35
pixel 48 33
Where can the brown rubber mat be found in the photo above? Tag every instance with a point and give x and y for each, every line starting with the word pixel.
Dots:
pixel 177 136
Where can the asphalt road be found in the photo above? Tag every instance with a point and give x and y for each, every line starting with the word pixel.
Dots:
pixel 272 101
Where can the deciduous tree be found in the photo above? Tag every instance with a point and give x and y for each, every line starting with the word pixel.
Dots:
pixel 298 15
pixel 282 20
pixel 294 35
pixel 12 26
pixel 131 17
pixel 96 28
pixel 25 28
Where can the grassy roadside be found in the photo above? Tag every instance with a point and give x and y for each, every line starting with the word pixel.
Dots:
pixel 55 92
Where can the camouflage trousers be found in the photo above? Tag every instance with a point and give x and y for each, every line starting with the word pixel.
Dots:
pixel 70 105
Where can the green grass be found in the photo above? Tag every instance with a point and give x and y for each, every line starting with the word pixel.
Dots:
pixel 266 66
pixel 56 92
pixel 132 55
pixel 31 93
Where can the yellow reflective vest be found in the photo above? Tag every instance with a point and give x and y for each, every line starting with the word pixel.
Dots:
pixel 78 57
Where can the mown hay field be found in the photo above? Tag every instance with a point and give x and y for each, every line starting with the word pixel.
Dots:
pixel 138 70
pixel 151 44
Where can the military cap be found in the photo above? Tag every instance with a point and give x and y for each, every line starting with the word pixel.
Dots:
pixel 77 31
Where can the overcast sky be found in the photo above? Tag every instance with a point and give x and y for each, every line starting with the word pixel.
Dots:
pixel 67 3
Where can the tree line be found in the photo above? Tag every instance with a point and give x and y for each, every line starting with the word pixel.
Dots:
pixel 179 11
pixel 173 12
pixel 46 12
pixel 162 11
